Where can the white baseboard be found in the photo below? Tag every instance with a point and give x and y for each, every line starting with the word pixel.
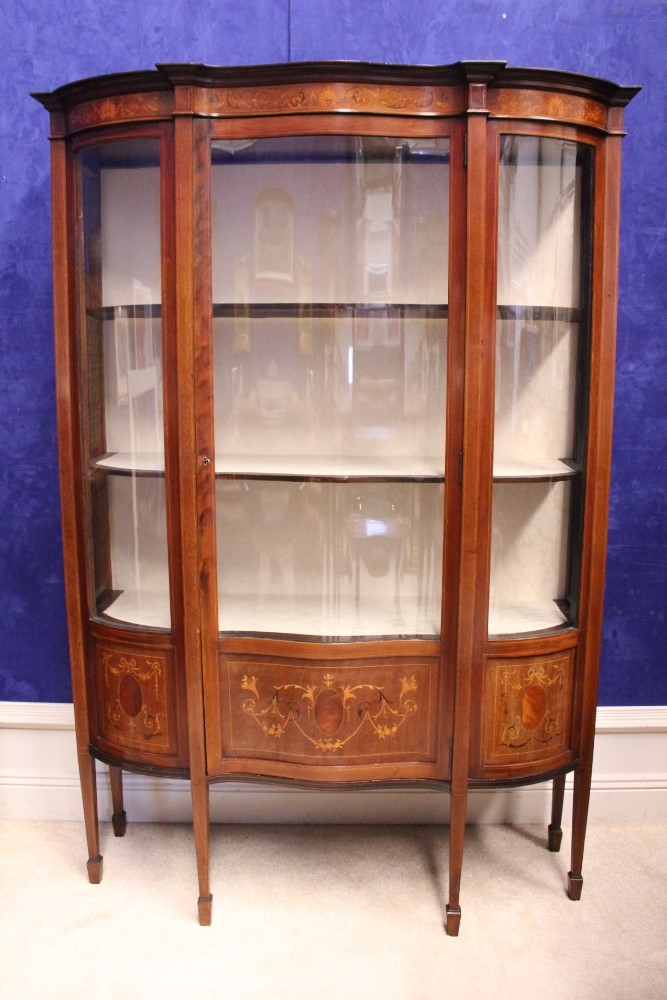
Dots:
pixel 39 780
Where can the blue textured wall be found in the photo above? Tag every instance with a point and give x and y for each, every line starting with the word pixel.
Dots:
pixel 43 45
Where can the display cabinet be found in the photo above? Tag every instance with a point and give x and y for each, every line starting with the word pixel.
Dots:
pixel 334 350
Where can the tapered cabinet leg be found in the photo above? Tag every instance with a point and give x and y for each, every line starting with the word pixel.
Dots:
pixel 200 820
pixel 457 824
pixel 555 832
pixel 119 816
pixel 581 798
pixel 88 776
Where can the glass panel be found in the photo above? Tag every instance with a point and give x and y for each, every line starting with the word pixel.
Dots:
pixel 544 237
pixel 121 360
pixel 330 263
pixel 329 560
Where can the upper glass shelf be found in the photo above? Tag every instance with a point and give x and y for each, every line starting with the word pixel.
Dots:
pixel 300 467
pixel 147 462
pixel 327 310
pixel 329 467
pixel 336 468
pixel 256 310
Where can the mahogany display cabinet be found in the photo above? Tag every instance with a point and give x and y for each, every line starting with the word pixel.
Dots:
pixel 335 360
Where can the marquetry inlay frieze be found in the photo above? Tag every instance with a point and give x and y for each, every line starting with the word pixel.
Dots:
pixel 330 97
pixel 313 98
pixel 518 103
pixel 125 107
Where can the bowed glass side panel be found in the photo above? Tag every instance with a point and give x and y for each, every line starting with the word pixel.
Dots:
pixel 120 345
pixel 330 269
pixel 542 378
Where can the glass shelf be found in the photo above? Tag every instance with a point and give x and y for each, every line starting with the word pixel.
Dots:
pixel 309 617
pixel 538 470
pixel 517 619
pixel 144 463
pixel 146 608
pixel 336 468
pixel 289 467
pixel 329 468
pixel 303 617
pixel 329 310
pixel 256 310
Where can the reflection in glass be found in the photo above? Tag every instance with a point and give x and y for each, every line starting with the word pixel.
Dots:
pixel 544 239
pixel 364 392
pixel 121 354
pixel 330 263
pixel 329 560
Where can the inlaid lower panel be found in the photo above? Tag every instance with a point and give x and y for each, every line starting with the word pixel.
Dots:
pixel 136 699
pixel 338 712
pixel 527 708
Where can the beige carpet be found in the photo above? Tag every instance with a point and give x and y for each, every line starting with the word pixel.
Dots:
pixel 331 913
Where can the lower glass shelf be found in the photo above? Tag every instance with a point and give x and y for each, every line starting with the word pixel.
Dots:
pixel 511 470
pixel 515 619
pixel 347 619
pixel 149 609
pixel 292 616
pixel 310 616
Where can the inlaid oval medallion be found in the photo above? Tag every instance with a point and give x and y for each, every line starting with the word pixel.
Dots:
pixel 130 696
pixel 533 706
pixel 328 712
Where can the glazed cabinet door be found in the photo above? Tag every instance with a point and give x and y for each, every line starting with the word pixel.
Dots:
pixel 329 331
pixel 544 213
pixel 122 368
pixel 135 677
pixel 541 381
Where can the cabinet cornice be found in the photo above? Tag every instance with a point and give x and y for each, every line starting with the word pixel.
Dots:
pixel 338 88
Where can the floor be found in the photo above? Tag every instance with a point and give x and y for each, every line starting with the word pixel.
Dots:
pixel 324 912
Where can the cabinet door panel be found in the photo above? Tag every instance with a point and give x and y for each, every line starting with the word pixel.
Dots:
pixel 328 713
pixel 527 708
pixel 138 692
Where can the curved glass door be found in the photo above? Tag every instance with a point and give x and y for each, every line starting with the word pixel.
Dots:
pixel 121 381
pixel 330 265
pixel 542 346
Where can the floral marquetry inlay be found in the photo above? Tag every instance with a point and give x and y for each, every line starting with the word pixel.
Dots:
pixel 518 103
pixel 334 714
pixel 133 697
pixel 330 714
pixel 527 707
pixel 331 97
pixel 125 107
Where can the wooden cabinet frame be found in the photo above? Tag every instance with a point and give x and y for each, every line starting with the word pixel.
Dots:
pixel 186 699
